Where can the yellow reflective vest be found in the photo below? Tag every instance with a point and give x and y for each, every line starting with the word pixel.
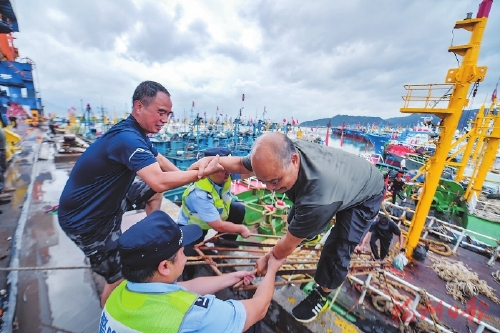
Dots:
pixel 128 311
pixel 221 202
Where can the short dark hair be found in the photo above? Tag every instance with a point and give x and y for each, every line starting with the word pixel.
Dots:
pixel 142 274
pixel 146 92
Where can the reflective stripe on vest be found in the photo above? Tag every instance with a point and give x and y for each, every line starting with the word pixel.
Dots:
pixel 128 311
pixel 220 202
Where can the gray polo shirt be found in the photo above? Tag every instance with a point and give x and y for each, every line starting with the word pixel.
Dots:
pixel 329 180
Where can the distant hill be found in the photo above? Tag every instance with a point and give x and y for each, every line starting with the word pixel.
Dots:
pixel 407 121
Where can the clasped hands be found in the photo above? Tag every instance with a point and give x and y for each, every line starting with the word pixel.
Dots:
pixel 207 166
pixel 268 262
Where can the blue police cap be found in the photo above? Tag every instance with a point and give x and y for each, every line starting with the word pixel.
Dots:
pixel 221 151
pixel 154 239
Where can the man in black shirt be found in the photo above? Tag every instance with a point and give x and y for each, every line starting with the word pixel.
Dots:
pixel 381 230
pixel 397 185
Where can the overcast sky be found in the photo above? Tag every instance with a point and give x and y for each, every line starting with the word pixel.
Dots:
pixel 301 59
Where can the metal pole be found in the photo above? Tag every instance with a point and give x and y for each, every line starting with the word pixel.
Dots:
pixel 366 285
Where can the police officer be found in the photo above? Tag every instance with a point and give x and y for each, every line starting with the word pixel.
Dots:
pixel 381 230
pixel 208 203
pixel 151 300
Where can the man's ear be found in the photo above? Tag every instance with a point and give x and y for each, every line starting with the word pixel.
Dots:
pixel 138 106
pixel 164 267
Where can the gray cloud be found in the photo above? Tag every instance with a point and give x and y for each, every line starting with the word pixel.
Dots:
pixel 235 51
pixel 157 38
pixel 311 60
pixel 79 23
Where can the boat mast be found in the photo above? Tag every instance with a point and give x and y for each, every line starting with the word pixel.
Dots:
pixel 429 98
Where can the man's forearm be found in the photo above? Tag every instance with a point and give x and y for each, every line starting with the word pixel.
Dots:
pixel 363 242
pixel 168 166
pixel 233 164
pixel 210 284
pixel 286 245
pixel 161 181
pixel 229 227
pixel 175 179
pixel 265 290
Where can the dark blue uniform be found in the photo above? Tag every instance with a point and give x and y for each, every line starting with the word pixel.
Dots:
pixel 99 190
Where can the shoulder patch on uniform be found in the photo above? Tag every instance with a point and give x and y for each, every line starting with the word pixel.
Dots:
pixel 202 301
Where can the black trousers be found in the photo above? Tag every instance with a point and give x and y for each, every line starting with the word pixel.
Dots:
pixel 396 194
pixel 384 246
pixel 350 227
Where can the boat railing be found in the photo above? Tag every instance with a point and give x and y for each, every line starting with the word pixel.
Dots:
pixel 412 306
pixel 252 183
pixel 462 233
pixel 427 96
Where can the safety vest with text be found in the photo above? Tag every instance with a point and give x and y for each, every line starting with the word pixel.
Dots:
pixel 128 311
pixel 222 202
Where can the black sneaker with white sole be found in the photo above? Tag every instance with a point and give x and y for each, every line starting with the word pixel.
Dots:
pixel 307 310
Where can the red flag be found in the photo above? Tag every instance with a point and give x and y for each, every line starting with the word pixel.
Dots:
pixel 243 97
pixel 494 95
pixel 284 120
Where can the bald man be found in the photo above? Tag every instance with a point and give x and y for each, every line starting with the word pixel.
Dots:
pixel 321 182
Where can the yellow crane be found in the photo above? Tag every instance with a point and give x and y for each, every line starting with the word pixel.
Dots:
pixel 431 99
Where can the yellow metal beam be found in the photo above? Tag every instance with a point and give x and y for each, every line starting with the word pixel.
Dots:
pixel 460 80
pixel 487 155
pixel 473 143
